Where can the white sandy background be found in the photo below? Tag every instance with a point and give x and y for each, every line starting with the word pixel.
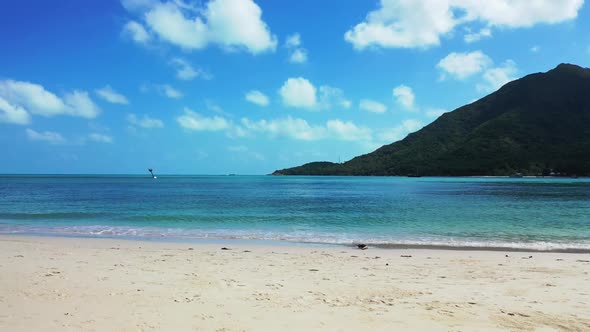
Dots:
pixel 64 284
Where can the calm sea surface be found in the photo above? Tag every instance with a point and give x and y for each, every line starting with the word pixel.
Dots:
pixel 541 214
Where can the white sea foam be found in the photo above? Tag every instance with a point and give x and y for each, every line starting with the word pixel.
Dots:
pixel 296 236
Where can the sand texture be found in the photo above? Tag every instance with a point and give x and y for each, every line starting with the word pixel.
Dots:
pixel 64 284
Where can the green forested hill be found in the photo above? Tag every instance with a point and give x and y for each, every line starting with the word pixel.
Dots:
pixel 534 125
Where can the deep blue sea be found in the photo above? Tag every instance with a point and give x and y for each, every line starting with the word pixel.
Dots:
pixel 539 214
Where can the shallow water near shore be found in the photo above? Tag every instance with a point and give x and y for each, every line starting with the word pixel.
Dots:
pixel 522 213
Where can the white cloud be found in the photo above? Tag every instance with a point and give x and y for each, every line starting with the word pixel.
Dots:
pixel 422 23
pixel 347 131
pixel 185 71
pixel 331 97
pixel 46 136
pixel 300 129
pixel 136 32
pixel 112 96
pixel 463 65
pixel 231 24
pixel 535 49
pixel 35 99
pixel 404 95
pixel 293 41
pixel 519 13
pixel 213 106
pixel 346 103
pixel 196 122
pixel 435 112
pixel 257 97
pixel 13 114
pixel 145 122
pixel 372 106
pixel 298 92
pixel 301 93
pixel 169 91
pixel 476 36
pixel 298 56
pixel 79 104
pixel 495 77
pixel 403 23
pixel 100 138
pixel 399 132
pixel 289 127
pixel 165 90
pixel 168 21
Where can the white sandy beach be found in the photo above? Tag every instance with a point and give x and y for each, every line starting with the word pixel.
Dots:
pixel 65 284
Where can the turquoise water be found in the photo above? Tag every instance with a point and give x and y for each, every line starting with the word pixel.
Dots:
pixel 540 214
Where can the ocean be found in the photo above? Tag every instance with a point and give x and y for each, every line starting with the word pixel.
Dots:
pixel 517 213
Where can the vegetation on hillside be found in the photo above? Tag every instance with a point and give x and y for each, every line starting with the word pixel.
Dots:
pixel 536 125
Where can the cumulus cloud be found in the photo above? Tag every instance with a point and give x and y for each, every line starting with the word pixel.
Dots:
pixel 13 114
pixel 185 71
pixel 287 127
pixel 46 136
pixel 170 92
pixel 347 131
pixel 298 129
pixel 372 106
pixel 107 93
pixel 422 23
pixel 463 65
pixel 297 54
pixel 145 121
pixel 293 41
pixel 331 97
pixel 100 138
pixel 197 122
pixel 257 97
pixel 298 92
pixel 404 95
pixel 81 105
pixel 136 32
pixel 495 77
pixel 164 89
pixel 35 99
pixel 230 24
pixel 476 36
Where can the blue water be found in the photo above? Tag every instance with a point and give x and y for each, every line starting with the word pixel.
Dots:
pixel 540 214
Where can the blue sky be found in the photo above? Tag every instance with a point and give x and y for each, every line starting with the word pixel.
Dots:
pixel 250 86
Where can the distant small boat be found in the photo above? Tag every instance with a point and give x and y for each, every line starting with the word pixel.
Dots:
pixel 152 173
pixel 516 175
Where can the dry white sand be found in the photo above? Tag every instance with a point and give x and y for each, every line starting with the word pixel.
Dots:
pixel 61 284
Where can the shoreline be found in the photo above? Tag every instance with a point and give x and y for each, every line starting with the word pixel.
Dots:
pixel 72 284
pixel 288 243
